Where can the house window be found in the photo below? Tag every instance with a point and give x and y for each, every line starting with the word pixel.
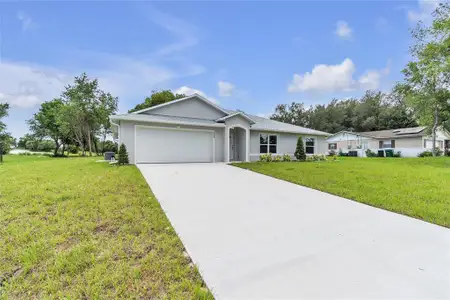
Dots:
pixel 309 145
pixel 387 144
pixel 268 143
pixel 332 146
pixel 429 143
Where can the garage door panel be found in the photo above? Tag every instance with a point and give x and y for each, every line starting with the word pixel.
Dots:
pixel 163 145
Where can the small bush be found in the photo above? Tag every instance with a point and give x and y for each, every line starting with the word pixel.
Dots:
pixel 316 157
pixel 342 153
pixel 300 150
pixel 397 154
pixel 286 157
pixel 123 155
pixel 370 153
pixel 428 153
pixel 331 153
pixel 277 158
pixel 265 157
pixel 447 152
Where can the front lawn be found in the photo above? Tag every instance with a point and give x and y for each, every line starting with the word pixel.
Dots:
pixel 417 187
pixel 73 228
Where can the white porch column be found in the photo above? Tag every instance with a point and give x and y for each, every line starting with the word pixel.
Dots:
pixel 247 145
pixel 226 143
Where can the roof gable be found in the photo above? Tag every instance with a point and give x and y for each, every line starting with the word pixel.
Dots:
pixel 239 113
pixel 193 96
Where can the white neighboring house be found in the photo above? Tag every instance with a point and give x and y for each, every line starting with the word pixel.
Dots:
pixel 193 129
pixel 409 141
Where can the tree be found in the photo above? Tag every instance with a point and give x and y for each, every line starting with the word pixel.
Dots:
pixel 373 111
pixel 5 137
pixel 46 122
pixel 300 150
pixel 156 98
pixel 427 76
pixel 123 155
pixel 86 110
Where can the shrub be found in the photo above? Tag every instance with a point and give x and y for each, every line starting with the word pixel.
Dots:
pixel 300 150
pixel 447 152
pixel 316 157
pixel 370 153
pixel 277 158
pixel 398 154
pixel 342 153
pixel 73 149
pixel 286 157
pixel 123 155
pixel 331 153
pixel 426 153
pixel 265 157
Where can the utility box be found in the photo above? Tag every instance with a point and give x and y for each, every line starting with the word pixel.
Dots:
pixel 109 156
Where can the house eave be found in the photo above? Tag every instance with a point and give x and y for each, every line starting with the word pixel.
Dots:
pixel 175 122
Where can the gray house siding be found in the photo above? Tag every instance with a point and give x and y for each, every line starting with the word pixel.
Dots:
pixel 126 136
pixel 193 108
pixel 286 143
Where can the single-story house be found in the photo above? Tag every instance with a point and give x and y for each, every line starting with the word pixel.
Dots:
pixel 193 129
pixel 409 141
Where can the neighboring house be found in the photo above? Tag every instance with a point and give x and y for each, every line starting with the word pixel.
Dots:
pixel 409 141
pixel 193 129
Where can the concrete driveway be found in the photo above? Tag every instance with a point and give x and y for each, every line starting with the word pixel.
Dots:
pixel 255 237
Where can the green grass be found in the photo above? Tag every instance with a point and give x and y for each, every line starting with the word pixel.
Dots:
pixel 73 228
pixel 417 187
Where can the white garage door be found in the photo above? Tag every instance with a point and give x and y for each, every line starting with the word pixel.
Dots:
pixel 166 145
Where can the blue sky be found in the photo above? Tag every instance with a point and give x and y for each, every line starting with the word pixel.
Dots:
pixel 243 55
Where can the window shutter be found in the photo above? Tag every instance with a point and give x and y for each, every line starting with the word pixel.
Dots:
pixel 392 143
pixel 380 144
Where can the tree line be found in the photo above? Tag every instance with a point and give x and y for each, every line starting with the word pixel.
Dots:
pixel 373 111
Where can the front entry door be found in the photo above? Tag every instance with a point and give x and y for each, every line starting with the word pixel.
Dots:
pixel 232 145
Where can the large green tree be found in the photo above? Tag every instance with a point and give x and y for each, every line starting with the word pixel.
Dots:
pixel 427 75
pixel 86 110
pixel 5 137
pixel 156 98
pixel 46 122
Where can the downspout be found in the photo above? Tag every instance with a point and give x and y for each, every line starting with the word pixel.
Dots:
pixel 118 129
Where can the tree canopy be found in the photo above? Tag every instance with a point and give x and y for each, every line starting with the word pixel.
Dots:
pixel 156 98
pixel 5 137
pixel 374 111
pixel 427 75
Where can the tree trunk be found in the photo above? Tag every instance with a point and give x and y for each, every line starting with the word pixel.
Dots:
pixel 104 140
pixel 436 116
pixel 95 146
pixel 63 149
pixel 89 141
pixel 56 149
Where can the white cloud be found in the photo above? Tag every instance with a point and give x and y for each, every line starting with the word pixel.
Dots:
pixel 189 91
pixel 264 115
pixel 25 85
pixel 336 78
pixel 226 89
pixel 27 22
pixel 423 13
pixel 325 78
pixel 186 34
pixel 343 30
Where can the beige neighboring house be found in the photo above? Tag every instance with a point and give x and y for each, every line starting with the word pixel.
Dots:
pixel 409 141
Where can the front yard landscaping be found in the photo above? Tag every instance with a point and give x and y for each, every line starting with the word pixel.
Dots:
pixel 76 229
pixel 417 187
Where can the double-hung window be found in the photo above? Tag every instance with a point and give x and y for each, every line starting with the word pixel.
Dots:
pixel 332 146
pixel 386 144
pixel 268 143
pixel 309 145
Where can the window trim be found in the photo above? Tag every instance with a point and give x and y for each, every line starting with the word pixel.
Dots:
pixel 382 142
pixel 329 144
pixel 314 147
pixel 268 142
